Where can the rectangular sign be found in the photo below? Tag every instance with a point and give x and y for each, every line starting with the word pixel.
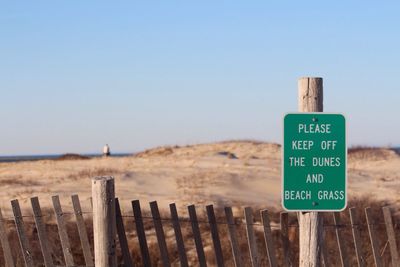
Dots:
pixel 314 162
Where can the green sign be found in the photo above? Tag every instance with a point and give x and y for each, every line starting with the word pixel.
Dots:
pixel 314 162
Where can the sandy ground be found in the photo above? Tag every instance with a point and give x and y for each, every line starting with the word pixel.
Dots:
pixel 229 173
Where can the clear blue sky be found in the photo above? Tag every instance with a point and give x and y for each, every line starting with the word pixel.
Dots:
pixel 75 75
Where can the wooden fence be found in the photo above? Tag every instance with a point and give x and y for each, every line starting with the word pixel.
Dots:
pixel 283 230
pixel 270 239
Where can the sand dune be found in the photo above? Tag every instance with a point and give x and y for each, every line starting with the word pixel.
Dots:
pixel 238 173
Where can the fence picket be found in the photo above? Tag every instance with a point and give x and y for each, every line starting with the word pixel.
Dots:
pixel 9 260
pixel 41 230
pixel 123 242
pixel 340 240
pixel 391 236
pixel 62 231
pixel 287 257
pixel 251 237
pixel 237 257
pixel 355 227
pixel 162 245
pixel 23 239
pixel 80 223
pixel 215 235
pixel 178 235
pixel 325 251
pixel 269 242
pixel 197 236
pixel 141 233
pixel 374 240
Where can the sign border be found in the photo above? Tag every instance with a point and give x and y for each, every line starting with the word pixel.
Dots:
pixel 283 162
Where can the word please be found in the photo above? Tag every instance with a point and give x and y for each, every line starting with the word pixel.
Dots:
pixel 314 128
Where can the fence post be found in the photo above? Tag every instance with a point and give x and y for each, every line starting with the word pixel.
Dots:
pixel 104 223
pixel 391 236
pixel 310 99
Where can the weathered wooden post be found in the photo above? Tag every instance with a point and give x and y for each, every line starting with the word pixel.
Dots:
pixel 104 222
pixel 310 223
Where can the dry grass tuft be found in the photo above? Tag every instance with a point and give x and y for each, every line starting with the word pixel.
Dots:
pixel 371 153
pixel 16 180
pixel 89 173
pixel 71 156
pixel 159 151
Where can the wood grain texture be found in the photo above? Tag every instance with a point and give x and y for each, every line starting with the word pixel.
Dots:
pixel 325 251
pixel 237 255
pixel 62 232
pixel 104 222
pixel 123 242
pixel 310 94
pixel 23 239
pixel 373 238
pixel 251 237
pixel 144 250
pixel 162 245
pixel 269 242
pixel 284 233
pixel 215 235
pixel 178 236
pixel 80 223
pixel 197 236
pixel 391 236
pixel 41 230
pixel 355 228
pixel 340 240
pixel 311 236
pixel 310 99
pixel 9 260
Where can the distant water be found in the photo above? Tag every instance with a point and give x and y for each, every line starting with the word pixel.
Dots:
pixel 43 157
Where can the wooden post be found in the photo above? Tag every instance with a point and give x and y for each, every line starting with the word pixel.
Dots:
pixel 104 223
pixel 251 237
pixel 123 242
pixel 237 257
pixel 269 242
pixel 310 223
pixel 62 231
pixel 373 237
pixel 340 240
pixel 178 236
pixel 197 236
pixel 41 230
pixel 141 234
pixel 287 255
pixel 215 235
pixel 391 236
pixel 356 229
pixel 162 244
pixel 80 223
pixel 8 258
pixel 26 248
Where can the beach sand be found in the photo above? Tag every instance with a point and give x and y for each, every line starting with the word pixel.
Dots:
pixel 237 173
